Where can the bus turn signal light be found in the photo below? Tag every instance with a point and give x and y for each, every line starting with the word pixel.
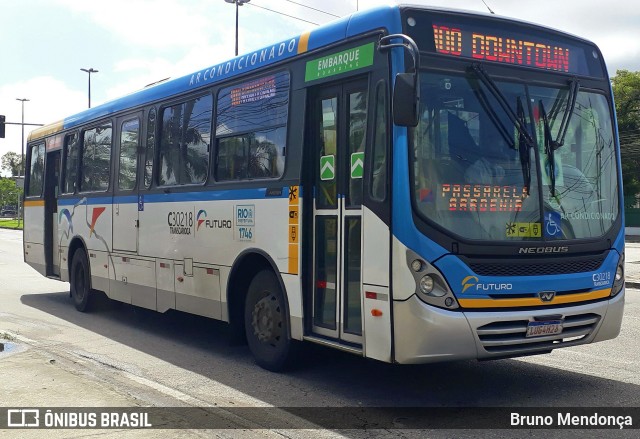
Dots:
pixel 376 313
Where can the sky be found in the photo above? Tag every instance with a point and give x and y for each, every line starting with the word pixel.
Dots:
pixel 132 43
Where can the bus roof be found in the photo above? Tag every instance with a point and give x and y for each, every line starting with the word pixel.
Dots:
pixel 387 17
pixel 357 23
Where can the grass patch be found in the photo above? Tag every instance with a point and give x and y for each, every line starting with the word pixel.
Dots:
pixel 11 224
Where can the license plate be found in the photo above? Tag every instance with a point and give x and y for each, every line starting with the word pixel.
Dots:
pixel 540 329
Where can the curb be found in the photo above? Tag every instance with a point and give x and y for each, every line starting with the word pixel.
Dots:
pixel 632 285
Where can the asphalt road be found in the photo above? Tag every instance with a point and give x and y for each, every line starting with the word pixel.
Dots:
pixel 127 356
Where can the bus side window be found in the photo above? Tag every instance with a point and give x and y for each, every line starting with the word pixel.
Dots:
pixel 378 186
pixel 96 159
pixel 36 173
pixel 129 135
pixel 70 163
pixel 185 137
pixel 251 129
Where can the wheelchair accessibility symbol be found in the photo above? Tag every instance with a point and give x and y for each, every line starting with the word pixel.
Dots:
pixel 552 224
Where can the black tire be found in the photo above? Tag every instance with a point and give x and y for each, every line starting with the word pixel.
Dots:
pixel 80 279
pixel 266 322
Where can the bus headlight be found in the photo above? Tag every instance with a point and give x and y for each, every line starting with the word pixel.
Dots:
pixel 426 284
pixel 431 287
pixel 618 281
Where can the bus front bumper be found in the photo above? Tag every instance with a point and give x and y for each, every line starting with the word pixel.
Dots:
pixel 426 334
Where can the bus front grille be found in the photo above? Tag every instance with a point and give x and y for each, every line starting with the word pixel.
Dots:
pixel 534 267
pixel 509 338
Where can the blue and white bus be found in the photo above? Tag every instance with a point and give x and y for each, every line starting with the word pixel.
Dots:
pixel 407 184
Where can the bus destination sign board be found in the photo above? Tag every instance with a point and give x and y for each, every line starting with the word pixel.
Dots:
pixel 501 48
pixel 486 39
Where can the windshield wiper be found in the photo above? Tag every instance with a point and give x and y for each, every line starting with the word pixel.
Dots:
pixel 497 94
pixel 568 112
pixel 525 141
pixel 486 105
pixel 551 144
pixel 523 149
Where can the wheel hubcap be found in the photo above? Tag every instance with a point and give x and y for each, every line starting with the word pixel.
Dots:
pixel 267 319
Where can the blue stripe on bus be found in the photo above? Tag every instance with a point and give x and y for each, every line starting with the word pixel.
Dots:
pixel 88 200
pixel 212 195
pixel 403 226
pixel 124 199
pixel 232 194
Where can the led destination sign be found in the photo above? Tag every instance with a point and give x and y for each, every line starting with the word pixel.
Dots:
pixel 501 48
pixel 509 43
pixel 480 198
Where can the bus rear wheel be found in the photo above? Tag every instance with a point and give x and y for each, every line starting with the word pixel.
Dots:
pixel 267 322
pixel 80 279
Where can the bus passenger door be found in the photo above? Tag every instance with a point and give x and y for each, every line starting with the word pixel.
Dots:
pixel 125 200
pixel 339 134
pixel 51 238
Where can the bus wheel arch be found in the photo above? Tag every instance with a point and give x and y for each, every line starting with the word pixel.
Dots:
pixel 75 244
pixel 80 275
pixel 248 266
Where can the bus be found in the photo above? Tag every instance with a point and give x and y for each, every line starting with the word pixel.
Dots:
pixel 407 184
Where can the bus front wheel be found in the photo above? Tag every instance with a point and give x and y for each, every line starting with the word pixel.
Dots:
pixel 267 322
pixel 80 280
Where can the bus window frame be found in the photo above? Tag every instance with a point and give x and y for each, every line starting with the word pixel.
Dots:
pixel 27 168
pixel 63 164
pixel 142 186
pixel 216 139
pixel 179 100
pixel 82 131
pixel 380 85
pixel 125 118
pixel 507 73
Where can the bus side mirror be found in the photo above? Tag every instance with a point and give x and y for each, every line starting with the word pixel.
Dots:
pixel 406 99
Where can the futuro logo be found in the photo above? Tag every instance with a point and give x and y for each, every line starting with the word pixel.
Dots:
pixel 469 282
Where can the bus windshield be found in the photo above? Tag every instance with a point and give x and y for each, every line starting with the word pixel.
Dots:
pixel 480 176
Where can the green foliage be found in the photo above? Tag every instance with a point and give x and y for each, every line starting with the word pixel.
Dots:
pixel 626 91
pixel 9 193
pixel 11 162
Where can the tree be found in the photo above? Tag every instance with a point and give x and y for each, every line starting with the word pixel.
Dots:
pixel 12 163
pixel 626 92
pixel 9 193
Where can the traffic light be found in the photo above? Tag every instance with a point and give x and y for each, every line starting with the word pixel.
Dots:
pixel 2 119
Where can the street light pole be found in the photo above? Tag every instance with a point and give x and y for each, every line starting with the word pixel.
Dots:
pixel 23 100
pixel 90 71
pixel 238 3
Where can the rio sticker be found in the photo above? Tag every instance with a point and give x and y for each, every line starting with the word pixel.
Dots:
pixel 245 216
